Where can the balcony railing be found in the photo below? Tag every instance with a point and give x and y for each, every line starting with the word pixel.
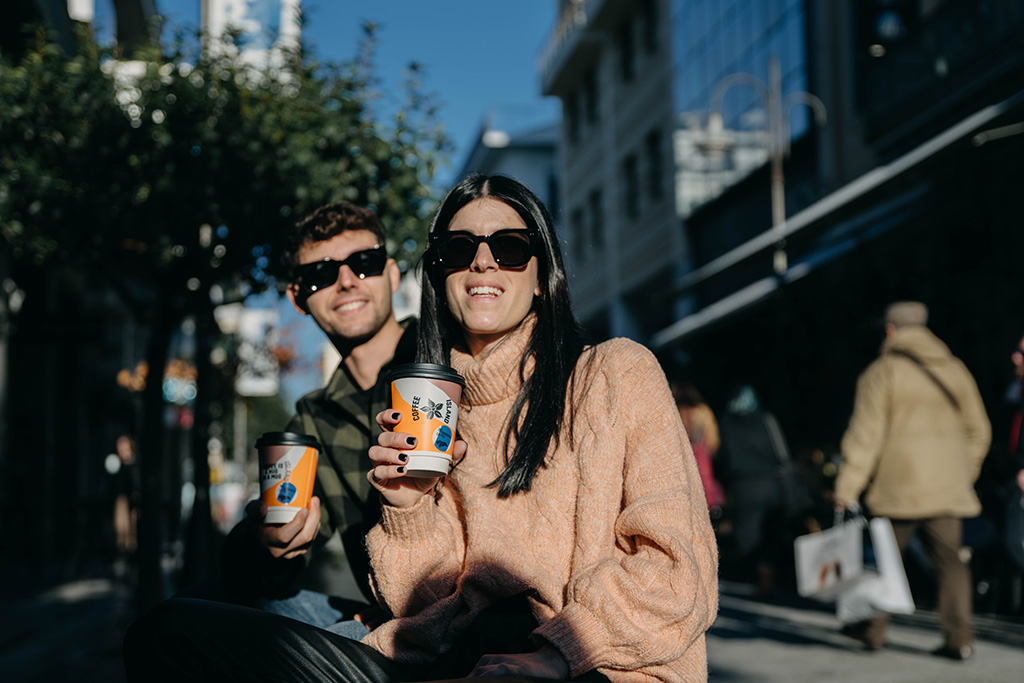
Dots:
pixel 571 21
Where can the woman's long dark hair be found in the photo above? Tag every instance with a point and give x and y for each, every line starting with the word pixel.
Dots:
pixel 544 393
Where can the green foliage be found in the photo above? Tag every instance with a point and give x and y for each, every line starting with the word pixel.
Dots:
pixel 185 168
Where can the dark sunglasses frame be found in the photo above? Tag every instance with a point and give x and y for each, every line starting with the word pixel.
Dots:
pixel 311 277
pixel 438 241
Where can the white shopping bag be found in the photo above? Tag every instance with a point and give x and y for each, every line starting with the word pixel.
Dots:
pixel 831 560
pixel 884 589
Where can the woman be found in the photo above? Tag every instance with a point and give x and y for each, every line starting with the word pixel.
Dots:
pixel 702 430
pixel 577 497
pixel 578 487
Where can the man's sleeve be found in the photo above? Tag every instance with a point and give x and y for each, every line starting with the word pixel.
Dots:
pixel 862 443
pixel 248 570
pixel 977 427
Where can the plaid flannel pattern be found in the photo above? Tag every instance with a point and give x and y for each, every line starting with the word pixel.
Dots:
pixel 341 417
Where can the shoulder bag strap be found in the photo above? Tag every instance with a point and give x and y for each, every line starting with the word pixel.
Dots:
pixel 931 375
pixel 778 442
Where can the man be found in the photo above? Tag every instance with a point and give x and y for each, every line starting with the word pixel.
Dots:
pixel 916 442
pixel 343 278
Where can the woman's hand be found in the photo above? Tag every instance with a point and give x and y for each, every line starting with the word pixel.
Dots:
pixel 388 472
pixel 546 662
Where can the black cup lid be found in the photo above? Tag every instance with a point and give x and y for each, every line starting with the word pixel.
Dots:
pixel 427 371
pixel 286 439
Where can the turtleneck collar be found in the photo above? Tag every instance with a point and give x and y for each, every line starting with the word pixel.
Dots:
pixel 494 375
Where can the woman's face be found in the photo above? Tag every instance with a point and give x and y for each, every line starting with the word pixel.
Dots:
pixel 486 299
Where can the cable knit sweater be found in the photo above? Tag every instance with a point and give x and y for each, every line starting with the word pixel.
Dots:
pixel 612 542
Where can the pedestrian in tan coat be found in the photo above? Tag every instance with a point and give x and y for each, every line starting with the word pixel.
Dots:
pixel 916 442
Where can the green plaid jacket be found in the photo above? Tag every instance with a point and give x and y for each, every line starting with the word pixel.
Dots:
pixel 341 417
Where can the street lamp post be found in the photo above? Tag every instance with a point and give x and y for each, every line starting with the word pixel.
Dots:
pixel 777 108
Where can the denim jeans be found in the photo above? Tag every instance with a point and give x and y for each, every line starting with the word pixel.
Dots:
pixel 317 609
pixel 328 612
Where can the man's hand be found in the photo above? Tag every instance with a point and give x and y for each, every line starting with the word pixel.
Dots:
pixel 284 541
pixel 546 662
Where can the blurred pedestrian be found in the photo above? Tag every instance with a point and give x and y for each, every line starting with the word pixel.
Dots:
pixel 126 498
pixel 702 428
pixel 1014 522
pixel 1015 396
pixel 916 442
pixel 760 486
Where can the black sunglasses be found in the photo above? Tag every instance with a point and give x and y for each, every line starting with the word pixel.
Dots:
pixel 319 274
pixel 511 248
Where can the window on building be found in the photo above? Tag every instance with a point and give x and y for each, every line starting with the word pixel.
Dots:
pixel 553 205
pixel 627 64
pixel 631 186
pixel 596 219
pixel 655 168
pixel 572 117
pixel 576 234
pixel 590 95
pixel 649 25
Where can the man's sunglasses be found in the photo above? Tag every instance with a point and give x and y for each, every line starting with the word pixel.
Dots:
pixel 320 274
pixel 511 248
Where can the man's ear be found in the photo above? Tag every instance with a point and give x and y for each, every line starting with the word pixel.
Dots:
pixel 298 301
pixel 394 274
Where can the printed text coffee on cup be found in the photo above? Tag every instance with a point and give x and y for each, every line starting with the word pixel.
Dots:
pixel 287 473
pixel 428 396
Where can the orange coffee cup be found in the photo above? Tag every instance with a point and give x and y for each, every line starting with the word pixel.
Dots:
pixel 287 473
pixel 428 396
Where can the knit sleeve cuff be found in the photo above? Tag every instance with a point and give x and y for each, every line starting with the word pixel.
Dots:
pixel 411 523
pixel 579 636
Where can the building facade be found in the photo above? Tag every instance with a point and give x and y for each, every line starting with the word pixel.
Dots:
pixel 609 62
pixel 890 199
pixel 520 145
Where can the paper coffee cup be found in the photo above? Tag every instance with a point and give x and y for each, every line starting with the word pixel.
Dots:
pixel 428 397
pixel 287 473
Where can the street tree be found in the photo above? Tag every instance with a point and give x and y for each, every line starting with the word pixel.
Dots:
pixel 175 175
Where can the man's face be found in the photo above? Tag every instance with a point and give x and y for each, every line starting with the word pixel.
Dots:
pixel 351 311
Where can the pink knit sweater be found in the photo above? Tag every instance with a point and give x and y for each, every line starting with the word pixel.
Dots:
pixel 612 542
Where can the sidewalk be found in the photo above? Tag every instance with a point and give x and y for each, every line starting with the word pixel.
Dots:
pixel 798 640
pixel 73 634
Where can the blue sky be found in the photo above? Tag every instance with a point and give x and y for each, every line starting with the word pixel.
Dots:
pixel 480 57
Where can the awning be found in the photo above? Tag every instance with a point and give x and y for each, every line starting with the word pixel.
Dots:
pixel 866 225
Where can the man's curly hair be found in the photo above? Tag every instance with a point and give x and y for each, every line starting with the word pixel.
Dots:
pixel 326 222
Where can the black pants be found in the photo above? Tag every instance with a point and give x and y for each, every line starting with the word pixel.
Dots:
pixel 200 640
pixel 184 639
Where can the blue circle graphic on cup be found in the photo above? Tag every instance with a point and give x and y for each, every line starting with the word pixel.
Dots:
pixel 286 492
pixel 442 438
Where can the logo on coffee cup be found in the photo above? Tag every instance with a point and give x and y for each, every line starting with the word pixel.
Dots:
pixel 442 438
pixel 286 492
pixel 436 410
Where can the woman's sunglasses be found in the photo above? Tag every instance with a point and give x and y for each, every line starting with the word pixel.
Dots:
pixel 457 248
pixel 320 274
